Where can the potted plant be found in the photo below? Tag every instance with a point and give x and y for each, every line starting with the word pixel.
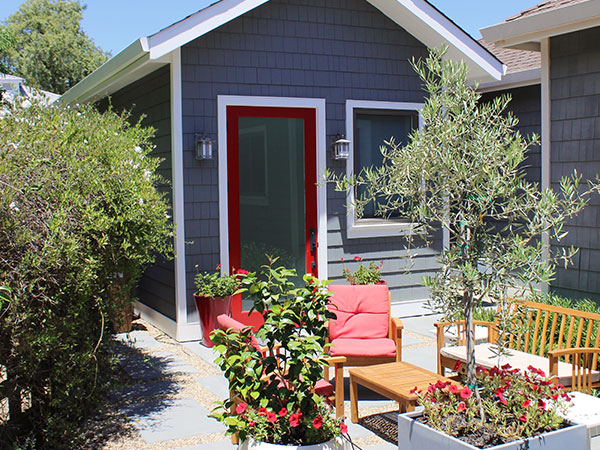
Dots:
pixel 516 411
pixel 213 297
pixel 364 275
pixel 275 404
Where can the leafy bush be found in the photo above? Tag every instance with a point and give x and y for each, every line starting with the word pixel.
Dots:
pixel 213 285
pixel 78 212
pixel 364 275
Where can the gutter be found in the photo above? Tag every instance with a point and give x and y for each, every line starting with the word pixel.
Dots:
pixel 131 57
pixel 513 80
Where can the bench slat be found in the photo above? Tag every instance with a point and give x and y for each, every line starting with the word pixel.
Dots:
pixel 569 337
pixel 553 331
pixel 544 334
pixel 536 331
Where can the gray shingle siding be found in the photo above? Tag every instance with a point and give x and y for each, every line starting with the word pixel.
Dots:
pixel 336 50
pixel 575 144
pixel 150 97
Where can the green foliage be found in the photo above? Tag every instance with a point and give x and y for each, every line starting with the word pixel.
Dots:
pixel 213 285
pixel 78 209
pixel 50 50
pixel 7 40
pixel 464 172
pixel 294 332
pixel 364 275
pixel 516 405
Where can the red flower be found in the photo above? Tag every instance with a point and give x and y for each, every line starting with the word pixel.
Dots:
pixel 441 384
pixel 240 408
pixel 295 419
pixel 453 389
pixel 251 423
pixel 342 259
pixel 466 393
pixel 282 412
pixel 457 366
pixel 414 390
pixel 526 403
pixel 461 407
pixel 541 404
pixel 357 258
pixel 241 272
pixel 262 411
pixel 271 417
pixel 343 428
pixel 523 418
pixel 218 266
pixel 500 396
pixel 317 422
pixel 555 397
pixel 431 388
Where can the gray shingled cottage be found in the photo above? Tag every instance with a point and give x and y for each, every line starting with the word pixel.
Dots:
pixel 273 84
pixel 552 51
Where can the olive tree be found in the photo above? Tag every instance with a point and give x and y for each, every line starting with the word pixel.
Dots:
pixel 463 172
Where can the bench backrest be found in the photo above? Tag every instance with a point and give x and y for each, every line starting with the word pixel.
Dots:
pixel 549 327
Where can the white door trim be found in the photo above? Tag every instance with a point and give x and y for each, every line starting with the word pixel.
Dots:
pixel 318 104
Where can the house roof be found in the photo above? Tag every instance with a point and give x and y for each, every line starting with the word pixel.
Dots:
pixel 14 86
pixel 418 17
pixel 515 60
pixel 550 18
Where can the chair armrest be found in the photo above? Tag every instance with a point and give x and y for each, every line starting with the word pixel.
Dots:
pixel 555 355
pixel 396 335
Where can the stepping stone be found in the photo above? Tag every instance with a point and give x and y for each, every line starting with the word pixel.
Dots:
pixel 208 355
pixel 139 339
pixel 144 390
pixel 159 420
pixel 138 366
pixel 217 384
pixel 171 364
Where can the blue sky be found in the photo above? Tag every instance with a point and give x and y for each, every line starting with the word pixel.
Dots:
pixel 114 24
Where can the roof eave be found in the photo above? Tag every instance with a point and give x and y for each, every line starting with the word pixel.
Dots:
pixel 533 28
pixel 513 80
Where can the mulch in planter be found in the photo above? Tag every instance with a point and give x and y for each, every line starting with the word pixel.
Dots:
pixel 384 425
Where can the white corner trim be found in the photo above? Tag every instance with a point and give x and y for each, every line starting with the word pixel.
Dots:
pixel 198 24
pixel 157 319
pixel 223 101
pixel 549 23
pixel 513 80
pixel 178 187
pixel 546 137
pixel 357 229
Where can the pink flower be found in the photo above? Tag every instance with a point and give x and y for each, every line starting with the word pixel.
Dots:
pixel 262 411
pixel 283 412
pixel 457 366
pixel 240 408
pixel 441 384
pixel 218 266
pixel 317 422
pixel 241 272
pixel 526 403
pixel 357 258
pixel 461 407
pixel 251 423
pixel 466 393
pixel 523 418
pixel 271 417
pixel 295 419
pixel 453 389
pixel 431 388
pixel 500 396
pixel 343 428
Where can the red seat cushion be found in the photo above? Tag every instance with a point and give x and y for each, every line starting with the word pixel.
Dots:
pixel 362 312
pixel 323 388
pixel 363 347
pixel 225 322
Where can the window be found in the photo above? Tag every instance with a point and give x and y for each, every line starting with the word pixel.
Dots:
pixel 368 126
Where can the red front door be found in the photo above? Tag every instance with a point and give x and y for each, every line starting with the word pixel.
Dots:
pixel 272 196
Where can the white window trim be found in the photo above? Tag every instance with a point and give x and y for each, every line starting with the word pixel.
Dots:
pixel 318 104
pixel 357 229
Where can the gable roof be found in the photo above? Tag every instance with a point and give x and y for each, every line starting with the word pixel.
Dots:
pixel 550 18
pixel 418 17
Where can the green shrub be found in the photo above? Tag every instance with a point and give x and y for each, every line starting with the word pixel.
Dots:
pixel 78 212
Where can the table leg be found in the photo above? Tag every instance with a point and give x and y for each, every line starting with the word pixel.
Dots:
pixel 353 400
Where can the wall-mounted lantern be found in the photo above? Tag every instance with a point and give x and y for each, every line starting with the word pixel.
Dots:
pixel 340 147
pixel 204 147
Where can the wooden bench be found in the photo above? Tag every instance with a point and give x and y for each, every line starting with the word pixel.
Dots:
pixel 550 338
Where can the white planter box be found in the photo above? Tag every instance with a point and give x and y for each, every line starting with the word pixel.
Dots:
pixel 413 435
pixel 338 443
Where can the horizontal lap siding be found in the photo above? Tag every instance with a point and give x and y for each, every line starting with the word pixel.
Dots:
pixel 150 97
pixel 575 144
pixel 335 50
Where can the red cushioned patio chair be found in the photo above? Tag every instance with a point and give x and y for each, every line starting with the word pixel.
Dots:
pixel 363 331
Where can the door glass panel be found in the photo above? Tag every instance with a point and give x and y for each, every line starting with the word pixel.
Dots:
pixel 272 203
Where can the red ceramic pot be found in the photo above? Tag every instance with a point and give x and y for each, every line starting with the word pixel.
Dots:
pixel 208 310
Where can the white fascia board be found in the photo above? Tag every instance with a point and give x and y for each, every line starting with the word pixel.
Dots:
pixel 433 29
pixel 544 24
pixel 513 80
pixel 198 24
pixel 128 59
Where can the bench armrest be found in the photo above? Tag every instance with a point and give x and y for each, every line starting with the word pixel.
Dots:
pixel 555 355
pixel 396 334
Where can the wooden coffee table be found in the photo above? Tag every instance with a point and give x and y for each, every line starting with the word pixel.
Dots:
pixel 394 381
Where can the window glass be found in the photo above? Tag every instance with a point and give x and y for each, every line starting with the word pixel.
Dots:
pixel 371 129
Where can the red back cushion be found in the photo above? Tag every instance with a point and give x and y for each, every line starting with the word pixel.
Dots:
pixel 362 312
pixel 225 322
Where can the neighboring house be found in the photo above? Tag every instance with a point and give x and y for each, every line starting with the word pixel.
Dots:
pixel 273 83
pixel 566 36
pixel 12 86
